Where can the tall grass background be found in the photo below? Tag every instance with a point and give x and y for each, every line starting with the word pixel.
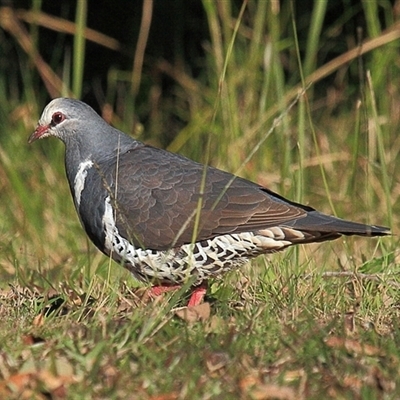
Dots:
pixel 318 320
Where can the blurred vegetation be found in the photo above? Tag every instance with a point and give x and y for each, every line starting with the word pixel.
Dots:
pixel 302 97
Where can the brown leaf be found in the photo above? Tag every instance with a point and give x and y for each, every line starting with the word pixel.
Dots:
pixel 38 321
pixel 353 346
pixel 111 374
pixel 55 383
pixel 252 387
pixel 353 382
pixel 19 381
pixel 196 313
pixel 265 392
pixel 248 382
pixel 376 378
pixel 26 385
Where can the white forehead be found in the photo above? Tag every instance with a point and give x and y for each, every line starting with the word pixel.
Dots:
pixel 54 106
pixel 71 108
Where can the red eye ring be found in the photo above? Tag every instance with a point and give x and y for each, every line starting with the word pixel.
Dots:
pixel 57 118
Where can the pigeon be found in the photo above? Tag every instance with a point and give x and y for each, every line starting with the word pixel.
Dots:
pixel 170 220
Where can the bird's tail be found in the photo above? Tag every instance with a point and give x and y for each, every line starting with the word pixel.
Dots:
pixel 320 227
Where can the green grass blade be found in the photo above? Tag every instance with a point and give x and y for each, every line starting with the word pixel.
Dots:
pixel 79 48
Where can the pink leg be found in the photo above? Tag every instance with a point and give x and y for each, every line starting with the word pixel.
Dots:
pixel 197 296
pixel 159 290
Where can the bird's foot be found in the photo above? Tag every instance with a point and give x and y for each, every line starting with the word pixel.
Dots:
pixel 159 290
pixel 196 297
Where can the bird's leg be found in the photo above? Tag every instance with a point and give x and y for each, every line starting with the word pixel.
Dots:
pixel 159 290
pixel 197 295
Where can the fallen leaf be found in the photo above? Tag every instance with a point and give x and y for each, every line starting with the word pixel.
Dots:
pixel 111 374
pixel 196 313
pixel 249 381
pixel 38 321
pixel 18 382
pixel 353 346
pixel 265 392
pixel 376 378
pixel 353 382
pixel 251 387
pixel 53 382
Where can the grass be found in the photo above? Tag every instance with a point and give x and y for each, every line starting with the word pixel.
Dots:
pixel 318 321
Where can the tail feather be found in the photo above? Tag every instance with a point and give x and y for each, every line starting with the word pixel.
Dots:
pixel 327 225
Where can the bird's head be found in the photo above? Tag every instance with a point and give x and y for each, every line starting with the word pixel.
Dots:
pixel 62 118
pixel 86 135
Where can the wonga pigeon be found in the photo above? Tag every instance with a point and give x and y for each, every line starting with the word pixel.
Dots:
pixel 169 219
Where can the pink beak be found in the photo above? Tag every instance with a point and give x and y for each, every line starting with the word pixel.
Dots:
pixel 39 132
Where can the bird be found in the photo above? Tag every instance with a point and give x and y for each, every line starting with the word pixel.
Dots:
pixel 170 220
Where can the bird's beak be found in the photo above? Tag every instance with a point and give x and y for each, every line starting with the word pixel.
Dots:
pixel 39 132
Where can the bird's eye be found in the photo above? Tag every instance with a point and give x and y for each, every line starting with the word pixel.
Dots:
pixel 57 118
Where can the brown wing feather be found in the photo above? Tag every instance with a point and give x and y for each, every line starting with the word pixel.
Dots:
pixel 158 194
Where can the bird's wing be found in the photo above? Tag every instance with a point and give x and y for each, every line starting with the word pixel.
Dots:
pixel 157 196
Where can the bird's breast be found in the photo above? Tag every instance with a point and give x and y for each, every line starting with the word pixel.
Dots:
pixel 89 194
